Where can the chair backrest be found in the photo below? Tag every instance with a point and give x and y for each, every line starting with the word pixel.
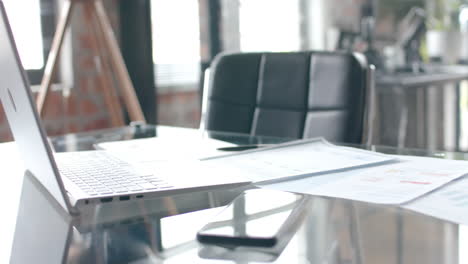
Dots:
pixel 291 94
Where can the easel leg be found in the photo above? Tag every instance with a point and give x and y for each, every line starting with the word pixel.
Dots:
pixel 110 96
pixel 51 65
pixel 128 91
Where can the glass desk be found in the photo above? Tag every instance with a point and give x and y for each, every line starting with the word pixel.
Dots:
pixel 163 230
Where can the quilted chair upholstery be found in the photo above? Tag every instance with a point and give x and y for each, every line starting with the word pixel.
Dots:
pixel 292 94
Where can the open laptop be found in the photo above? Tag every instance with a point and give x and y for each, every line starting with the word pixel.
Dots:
pixel 80 179
pixel 68 237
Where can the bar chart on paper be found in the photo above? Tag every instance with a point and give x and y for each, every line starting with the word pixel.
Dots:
pixel 449 203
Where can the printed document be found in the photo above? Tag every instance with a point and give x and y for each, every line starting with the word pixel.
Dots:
pixel 448 203
pixel 393 183
pixel 297 159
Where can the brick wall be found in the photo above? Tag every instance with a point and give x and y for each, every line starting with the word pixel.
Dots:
pixel 180 108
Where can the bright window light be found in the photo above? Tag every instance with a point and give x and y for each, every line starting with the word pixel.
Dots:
pixel 176 42
pixel 267 25
pixel 25 21
pixel 176 31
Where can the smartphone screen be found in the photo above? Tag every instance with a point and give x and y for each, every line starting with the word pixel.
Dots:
pixel 258 218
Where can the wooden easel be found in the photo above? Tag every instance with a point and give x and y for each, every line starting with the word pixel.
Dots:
pixel 102 40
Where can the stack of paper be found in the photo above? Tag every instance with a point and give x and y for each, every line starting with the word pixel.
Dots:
pixel 394 183
pixel 317 167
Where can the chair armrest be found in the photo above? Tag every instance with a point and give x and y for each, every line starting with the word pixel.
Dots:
pixel 205 93
pixel 371 109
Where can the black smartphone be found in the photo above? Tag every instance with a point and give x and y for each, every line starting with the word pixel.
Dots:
pixel 256 218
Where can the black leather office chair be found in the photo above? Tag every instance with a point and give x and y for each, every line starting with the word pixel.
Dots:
pixel 292 94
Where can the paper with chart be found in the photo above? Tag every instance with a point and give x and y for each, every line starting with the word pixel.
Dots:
pixel 297 159
pixel 393 183
pixel 449 203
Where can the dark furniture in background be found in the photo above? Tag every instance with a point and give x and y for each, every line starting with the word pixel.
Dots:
pixel 294 95
pixel 136 45
pixel 422 110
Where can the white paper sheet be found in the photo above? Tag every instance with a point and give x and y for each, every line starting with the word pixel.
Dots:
pixel 298 159
pixel 448 203
pixel 155 150
pixel 393 183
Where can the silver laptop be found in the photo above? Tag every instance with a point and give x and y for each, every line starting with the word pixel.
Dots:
pixel 80 179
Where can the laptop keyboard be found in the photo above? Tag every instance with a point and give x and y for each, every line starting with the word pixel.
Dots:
pixel 99 173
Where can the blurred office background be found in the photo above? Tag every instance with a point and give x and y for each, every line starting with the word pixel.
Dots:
pixel 167 44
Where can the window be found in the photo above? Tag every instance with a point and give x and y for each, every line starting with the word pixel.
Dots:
pixel 262 25
pixel 267 25
pixel 32 29
pixel 176 44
